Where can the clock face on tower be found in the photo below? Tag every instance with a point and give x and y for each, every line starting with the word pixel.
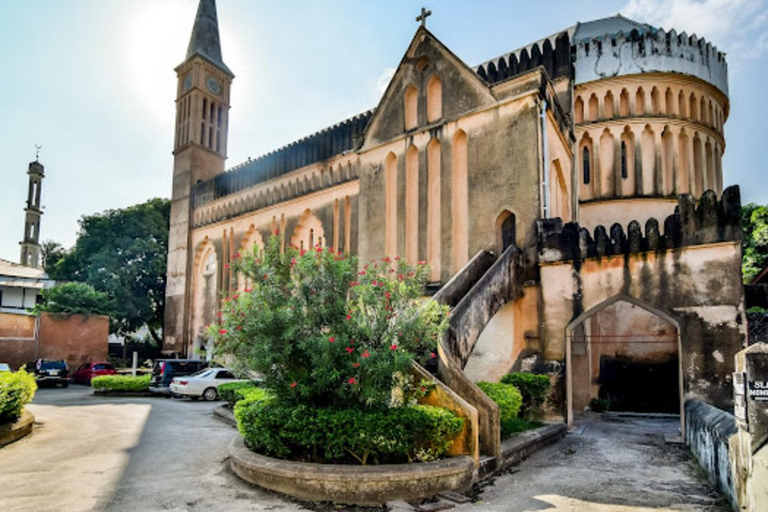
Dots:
pixel 187 83
pixel 213 85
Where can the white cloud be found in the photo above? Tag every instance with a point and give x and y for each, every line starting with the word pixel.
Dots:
pixel 737 27
pixel 384 79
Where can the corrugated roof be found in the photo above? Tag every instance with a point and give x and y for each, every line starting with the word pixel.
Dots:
pixel 11 269
pixel 610 26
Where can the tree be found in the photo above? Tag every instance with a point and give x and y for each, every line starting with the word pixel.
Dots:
pixel 52 252
pixel 754 245
pixel 123 254
pixel 75 298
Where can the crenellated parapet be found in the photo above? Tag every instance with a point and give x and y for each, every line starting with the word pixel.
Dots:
pixel 553 53
pixel 707 221
pixel 650 50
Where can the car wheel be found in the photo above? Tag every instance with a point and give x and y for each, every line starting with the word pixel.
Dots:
pixel 210 394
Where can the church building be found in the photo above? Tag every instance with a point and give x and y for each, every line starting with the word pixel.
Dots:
pixel 567 195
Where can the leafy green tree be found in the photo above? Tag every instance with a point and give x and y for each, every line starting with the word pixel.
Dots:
pixel 325 334
pixel 123 254
pixel 52 252
pixel 75 298
pixel 754 245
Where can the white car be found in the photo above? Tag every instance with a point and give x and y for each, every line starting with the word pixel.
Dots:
pixel 204 383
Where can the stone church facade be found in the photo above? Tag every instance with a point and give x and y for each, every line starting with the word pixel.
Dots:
pixel 567 196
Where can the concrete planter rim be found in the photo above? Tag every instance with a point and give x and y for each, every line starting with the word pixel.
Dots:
pixel 347 483
pixel 22 427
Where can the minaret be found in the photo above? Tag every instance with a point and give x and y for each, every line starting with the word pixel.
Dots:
pixel 30 243
pixel 200 151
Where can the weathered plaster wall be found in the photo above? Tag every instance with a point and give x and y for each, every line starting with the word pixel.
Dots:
pixel 77 339
pixel 707 434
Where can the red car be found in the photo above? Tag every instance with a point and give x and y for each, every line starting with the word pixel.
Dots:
pixel 86 372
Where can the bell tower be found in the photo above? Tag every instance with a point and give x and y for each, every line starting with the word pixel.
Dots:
pixel 30 242
pixel 200 152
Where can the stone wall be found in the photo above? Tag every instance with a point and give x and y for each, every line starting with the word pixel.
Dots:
pixel 707 434
pixel 17 339
pixel 77 339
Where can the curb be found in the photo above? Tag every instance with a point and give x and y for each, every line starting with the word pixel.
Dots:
pixel 128 394
pixel 20 428
pixel 225 414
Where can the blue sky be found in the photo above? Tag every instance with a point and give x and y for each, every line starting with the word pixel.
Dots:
pixel 93 82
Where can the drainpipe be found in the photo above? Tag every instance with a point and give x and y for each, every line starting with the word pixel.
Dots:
pixel 544 160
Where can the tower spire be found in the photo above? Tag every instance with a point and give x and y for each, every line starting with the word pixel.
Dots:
pixel 205 40
pixel 30 242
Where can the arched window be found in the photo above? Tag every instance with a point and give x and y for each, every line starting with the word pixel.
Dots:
pixel 586 164
pixel 655 101
pixel 624 103
pixel 624 160
pixel 390 205
pixel 608 105
pixel 681 103
pixel 460 192
pixel 579 110
pixel 670 103
pixel 434 214
pixel 593 108
pixel 434 99
pixel 693 108
pixel 640 102
pixel 506 233
pixel 411 107
pixel 412 204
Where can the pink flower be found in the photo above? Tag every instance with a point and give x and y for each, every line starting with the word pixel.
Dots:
pixel 236 256
pixel 393 347
pixel 223 331
pixel 387 295
pixel 362 272
pixel 350 350
pixel 349 317
pixel 226 265
pixel 422 262
pixel 352 381
pixel 303 252
pixel 293 261
pixel 355 365
pixel 234 297
pixel 294 384
pixel 319 249
pixel 331 339
pixel 248 290
pixel 433 355
pixel 365 354
pixel 397 258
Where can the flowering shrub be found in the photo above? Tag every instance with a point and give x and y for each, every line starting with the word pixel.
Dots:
pixel 323 332
pixel 332 435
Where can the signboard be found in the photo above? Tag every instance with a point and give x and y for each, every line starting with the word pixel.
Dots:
pixel 758 390
pixel 739 401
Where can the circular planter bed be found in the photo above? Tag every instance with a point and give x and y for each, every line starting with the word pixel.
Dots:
pixel 14 431
pixel 348 484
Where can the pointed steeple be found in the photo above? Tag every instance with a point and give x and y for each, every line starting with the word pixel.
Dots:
pixel 205 40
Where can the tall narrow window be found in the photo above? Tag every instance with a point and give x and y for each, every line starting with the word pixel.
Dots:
pixel 411 107
pixel 202 133
pixel 218 122
pixel 412 205
pixel 460 188
pixel 390 205
pixel 623 160
pixel 585 164
pixel 434 99
pixel 434 214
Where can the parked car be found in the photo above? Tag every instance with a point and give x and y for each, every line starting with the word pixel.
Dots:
pixel 4 367
pixel 204 383
pixel 87 371
pixel 164 371
pixel 50 371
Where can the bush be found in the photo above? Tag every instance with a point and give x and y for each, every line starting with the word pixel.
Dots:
pixel 124 383
pixel 532 387
pixel 229 392
pixel 16 391
pixel 324 333
pixel 332 435
pixel 509 400
pixel 75 298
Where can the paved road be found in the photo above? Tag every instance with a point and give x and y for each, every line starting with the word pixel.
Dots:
pixel 610 466
pixel 124 454
pixel 152 454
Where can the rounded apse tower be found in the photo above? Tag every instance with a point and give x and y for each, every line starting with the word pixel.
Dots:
pixel 649 109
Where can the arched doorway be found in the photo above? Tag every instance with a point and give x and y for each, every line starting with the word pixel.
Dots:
pixel 627 353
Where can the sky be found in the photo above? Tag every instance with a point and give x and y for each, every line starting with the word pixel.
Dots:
pixel 92 81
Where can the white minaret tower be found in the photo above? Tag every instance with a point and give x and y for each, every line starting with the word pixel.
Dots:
pixel 30 242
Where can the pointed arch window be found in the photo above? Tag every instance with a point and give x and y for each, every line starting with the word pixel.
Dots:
pixel 623 160
pixel 585 164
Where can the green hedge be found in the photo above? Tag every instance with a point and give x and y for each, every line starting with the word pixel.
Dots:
pixel 532 387
pixel 356 435
pixel 234 391
pixel 509 400
pixel 124 383
pixel 16 391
